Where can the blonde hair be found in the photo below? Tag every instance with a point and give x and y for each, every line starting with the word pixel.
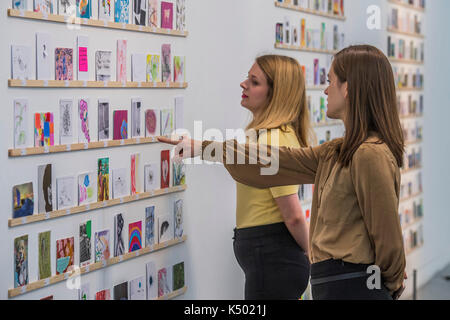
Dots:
pixel 286 98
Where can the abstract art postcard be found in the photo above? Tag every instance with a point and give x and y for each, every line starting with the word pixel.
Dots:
pixel 65 192
pixel 151 280
pixel 64 255
pixel 151 177
pixel 178 218
pixel 120 123
pixel 166 15
pixel 153 16
pixel 178 276
pixel 83 58
pixel 153 66
pixel 179 175
pixel 85 243
pixel 84 9
pixel 120 183
pixel 21 62
pixel 43 6
pixel 103 65
pixel 103 119
pixel 140 12
pixel 23 200
pixel 67 7
pixel 121 65
pixel 44 129
pixel 165 169
pixel 122 11
pixel 65 121
pixel 166 62
pixel 149 226
pixel 119 245
pixel 163 282
pixel 135 176
pixel 136 108
pixel 103 179
pixel 179 68
pixel 105 9
pixel 152 126
pixel 83 121
pixel 102 251
pixel 137 288
pixel 103 295
pixel 45 194
pixel 86 188
pixel 83 292
pixel 44 250
pixel 44 58
pixel 165 228
pixel 121 291
pixel 19 4
pixel 181 15
pixel 21 261
pixel 135 236
pixel 64 64
pixel 167 126
pixel 20 123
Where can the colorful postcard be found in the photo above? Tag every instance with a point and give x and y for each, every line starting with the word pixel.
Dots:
pixel 166 62
pixel 23 200
pixel 178 218
pixel 103 179
pixel 44 58
pixel 43 6
pixel 151 283
pixel 65 121
pixel 20 123
pixel 64 255
pixel 65 192
pixel 66 7
pixel 151 177
pixel 83 60
pixel 120 183
pixel 149 226
pixel 167 126
pixel 121 291
pixel 121 66
pixel 181 15
pixel 140 12
pixel 163 282
pixel 103 119
pixel 121 11
pixel 179 69
pixel 166 15
pixel 135 236
pixel 152 126
pixel 84 9
pixel 137 288
pixel 44 129
pixel 138 67
pixel 119 245
pixel 103 65
pixel 135 176
pixel 120 123
pixel 20 261
pixel 153 16
pixel 178 276
pixel 86 188
pixel 83 121
pixel 45 188
pixel 136 107
pixel 179 175
pixel 165 228
pixel 153 62
pixel 83 292
pixel 64 64
pixel 85 243
pixel 105 9
pixel 165 169
pixel 45 269
pixel 102 245
pixel 19 4
pixel 103 295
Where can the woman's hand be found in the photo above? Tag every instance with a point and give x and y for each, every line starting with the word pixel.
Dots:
pixel 185 148
pixel 399 292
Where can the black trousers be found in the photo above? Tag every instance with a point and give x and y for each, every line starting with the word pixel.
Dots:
pixel 275 267
pixel 349 289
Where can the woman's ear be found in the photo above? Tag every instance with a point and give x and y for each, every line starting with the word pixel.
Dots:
pixel 344 89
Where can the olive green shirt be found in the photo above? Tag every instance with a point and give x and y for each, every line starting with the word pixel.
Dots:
pixel 354 214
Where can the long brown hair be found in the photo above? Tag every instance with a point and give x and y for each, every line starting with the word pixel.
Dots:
pixel 372 103
pixel 286 97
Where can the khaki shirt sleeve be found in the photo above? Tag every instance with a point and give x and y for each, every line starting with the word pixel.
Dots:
pixel 376 179
pixel 262 166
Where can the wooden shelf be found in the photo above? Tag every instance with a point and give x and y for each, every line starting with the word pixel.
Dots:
pixel 411 116
pixel 416 195
pixel 14 222
pixel 80 146
pixel 93 267
pixel 409 143
pixel 327 124
pixel 404 33
pixel 409 89
pixel 317 87
pixel 297 48
pixel 16 83
pixel 406 61
pixel 406 5
pixel 309 11
pixel 93 23
pixel 411 169
pixel 173 294
pixel 410 224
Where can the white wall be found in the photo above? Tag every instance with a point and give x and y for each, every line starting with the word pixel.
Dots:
pixel 224 38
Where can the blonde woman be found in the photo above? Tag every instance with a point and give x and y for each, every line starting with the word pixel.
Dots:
pixel 271 235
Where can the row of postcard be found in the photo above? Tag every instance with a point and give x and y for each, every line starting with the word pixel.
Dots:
pixel 411 185
pixel 93 187
pixel 411 212
pixel 155 122
pixel 144 67
pixel 153 13
pixel 405 21
pixel 407 51
pixel 410 106
pixel 335 7
pixel 408 78
pixel 158 229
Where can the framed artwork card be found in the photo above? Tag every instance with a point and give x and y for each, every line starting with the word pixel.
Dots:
pixel 151 282
pixel 120 123
pixel 153 13
pixel 23 200
pixel 67 7
pixel 21 62
pixel 103 295
pixel 64 64
pixel 166 15
pixel 135 176
pixel 86 188
pixel 103 65
pixel 84 9
pixel 65 121
pixel 152 126
pixel 85 243
pixel 21 123
pixel 178 276
pixel 179 69
pixel 44 56
pixel 165 169
pixel 121 291
pixel 21 261
pixel 105 9
pixel 43 6
pixel 103 119
pixel 83 61
pixel 45 268
pixel 149 226
pixel 83 292
pixel 136 107
pixel 122 11
pixel 165 228
pixel 181 15
pixel 164 282
pixel 137 288
pixel 102 245
pixel 19 4
pixel 44 129
pixel 119 245
pixel 153 66
pixel 152 177
pixel 120 183
pixel 178 218
pixel 64 255
pixel 103 179
pixel 135 236
pixel 65 192
pixel 121 66
pixel 83 121
pixel 179 175
pixel 167 122
pixel 140 12
pixel 166 64
pixel 45 194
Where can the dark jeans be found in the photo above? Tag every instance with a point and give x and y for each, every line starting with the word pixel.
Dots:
pixel 275 267
pixel 350 289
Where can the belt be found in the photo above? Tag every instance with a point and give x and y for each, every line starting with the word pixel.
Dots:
pixel 344 276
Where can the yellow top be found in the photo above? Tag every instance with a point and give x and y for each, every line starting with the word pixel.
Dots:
pixel 257 207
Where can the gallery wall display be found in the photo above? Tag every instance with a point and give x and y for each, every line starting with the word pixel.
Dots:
pixel 70 127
